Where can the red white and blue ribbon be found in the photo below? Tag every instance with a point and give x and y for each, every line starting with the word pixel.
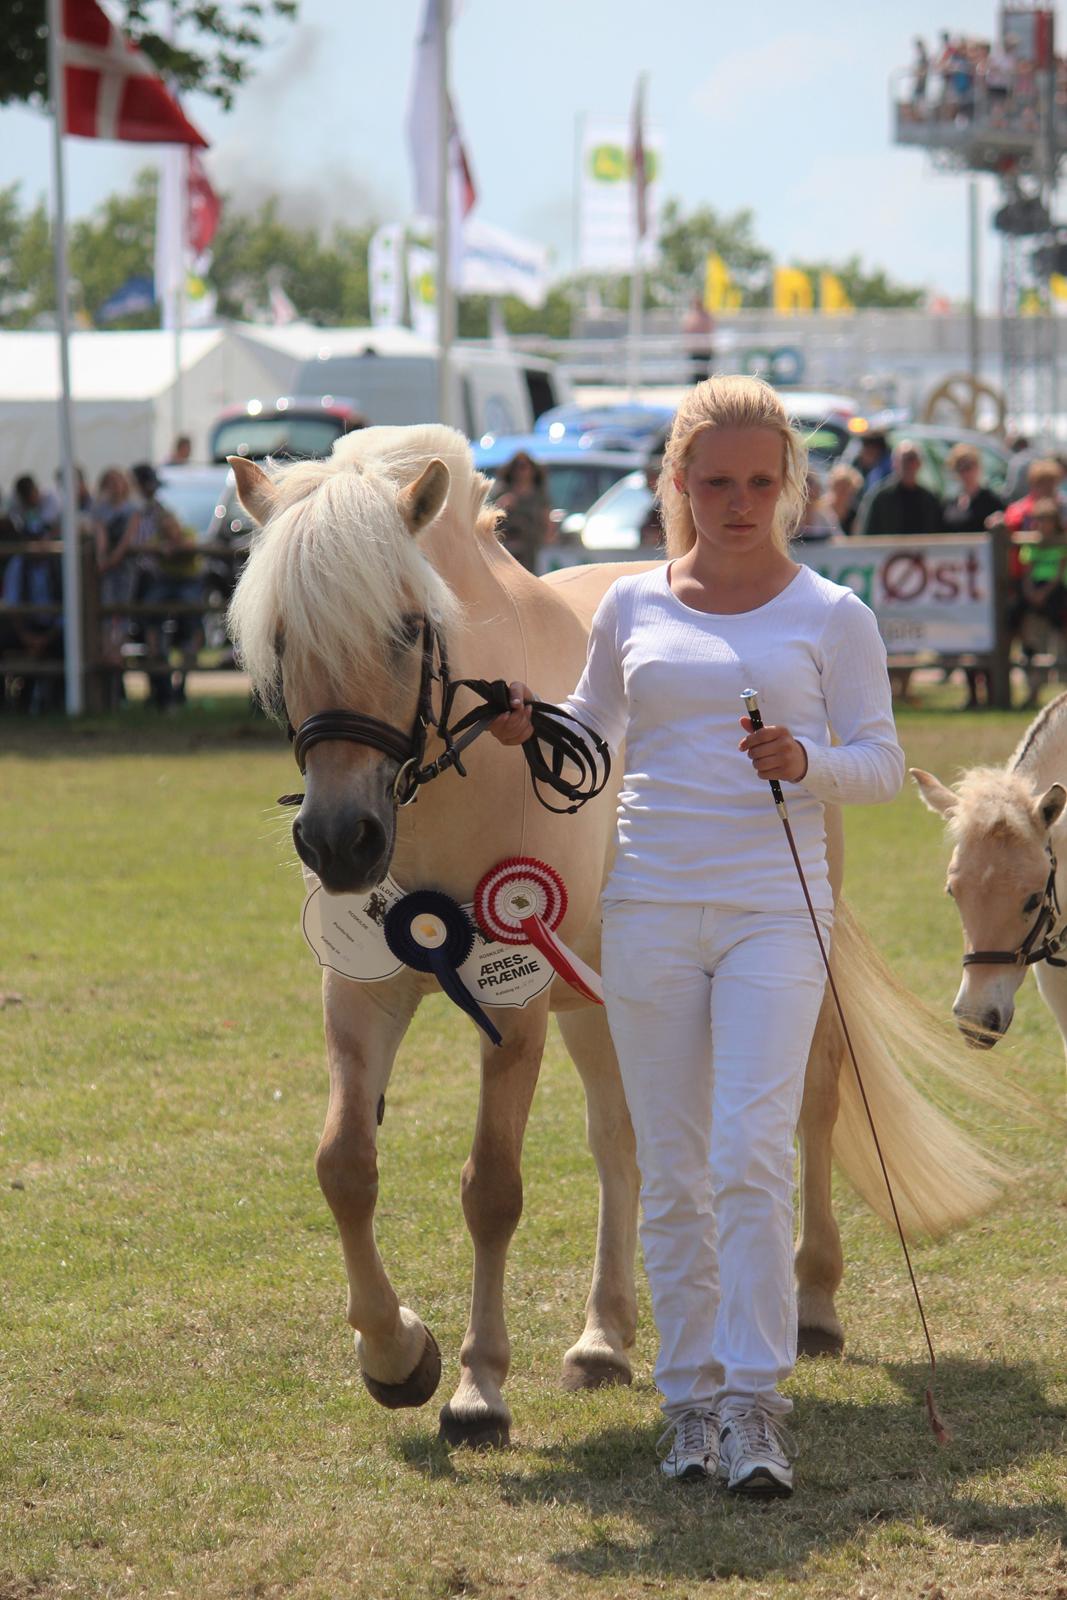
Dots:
pixel 430 932
pixel 523 901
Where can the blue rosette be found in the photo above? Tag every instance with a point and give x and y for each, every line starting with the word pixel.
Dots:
pixel 430 932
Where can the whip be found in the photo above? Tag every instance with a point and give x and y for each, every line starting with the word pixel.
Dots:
pixel 941 1433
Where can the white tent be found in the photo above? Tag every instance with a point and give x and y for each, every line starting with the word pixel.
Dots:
pixel 123 393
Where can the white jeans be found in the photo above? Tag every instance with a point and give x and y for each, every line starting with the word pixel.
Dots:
pixel 712 1012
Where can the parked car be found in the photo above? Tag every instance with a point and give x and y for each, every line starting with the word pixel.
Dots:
pixel 612 528
pixel 935 443
pixel 577 474
pixel 204 499
pixel 608 427
pixel 293 427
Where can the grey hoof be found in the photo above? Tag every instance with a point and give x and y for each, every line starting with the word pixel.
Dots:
pixel 480 1431
pixel 594 1372
pixel 417 1387
pixel 819 1342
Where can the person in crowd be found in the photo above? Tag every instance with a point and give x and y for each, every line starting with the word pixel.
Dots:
pixel 1022 455
pixel 698 337
pixel 708 952
pixel 32 577
pixel 875 459
pixel 974 508
pixel 182 451
pixel 83 495
pixel 900 504
pixel 970 509
pixel 1043 480
pixel 1043 588
pixel 32 515
pixel 817 521
pixel 843 495
pixel 168 566
pixel 521 493
pixel 920 72
pixel 114 524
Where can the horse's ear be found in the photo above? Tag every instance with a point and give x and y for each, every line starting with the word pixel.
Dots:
pixel 254 489
pixel 1050 806
pixel 420 502
pixel 932 792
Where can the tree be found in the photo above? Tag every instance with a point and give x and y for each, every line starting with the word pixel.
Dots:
pixel 865 289
pixel 686 242
pixel 326 279
pixel 214 59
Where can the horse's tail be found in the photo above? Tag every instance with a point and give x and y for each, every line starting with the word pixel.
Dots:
pixel 940 1176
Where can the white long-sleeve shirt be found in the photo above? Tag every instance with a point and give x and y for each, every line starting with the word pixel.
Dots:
pixel 695 821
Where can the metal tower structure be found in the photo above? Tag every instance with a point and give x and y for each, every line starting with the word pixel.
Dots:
pixel 998 115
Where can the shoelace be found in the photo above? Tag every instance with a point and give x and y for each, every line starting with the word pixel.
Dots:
pixel 689 1432
pixel 758 1432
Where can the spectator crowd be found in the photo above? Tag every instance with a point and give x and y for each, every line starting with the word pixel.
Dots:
pixel 142 555
pixel 962 78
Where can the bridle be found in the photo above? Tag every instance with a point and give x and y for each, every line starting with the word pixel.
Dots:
pixel 1030 952
pixel 552 746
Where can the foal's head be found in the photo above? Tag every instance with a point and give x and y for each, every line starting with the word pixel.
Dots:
pixel 997 877
pixel 329 616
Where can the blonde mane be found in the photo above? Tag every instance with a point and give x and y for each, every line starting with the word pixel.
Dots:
pixel 335 571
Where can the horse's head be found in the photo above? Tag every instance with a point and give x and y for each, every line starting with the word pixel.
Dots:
pixel 329 616
pixel 998 877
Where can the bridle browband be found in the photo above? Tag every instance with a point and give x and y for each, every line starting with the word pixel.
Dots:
pixel 547 752
pixel 1029 953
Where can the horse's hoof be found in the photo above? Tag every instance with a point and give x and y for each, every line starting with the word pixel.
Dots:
pixel 481 1430
pixel 819 1342
pixel 417 1387
pixel 585 1370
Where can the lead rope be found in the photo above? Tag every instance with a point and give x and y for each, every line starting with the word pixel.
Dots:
pixel 940 1431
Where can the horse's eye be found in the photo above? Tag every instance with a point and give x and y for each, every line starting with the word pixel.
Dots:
pixel 1031 905
pixel 408 631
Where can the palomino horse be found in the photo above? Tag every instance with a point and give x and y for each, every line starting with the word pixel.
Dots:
pixel 1008 876
pixel 356 553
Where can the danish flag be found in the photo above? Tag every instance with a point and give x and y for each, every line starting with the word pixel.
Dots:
pixel 111 90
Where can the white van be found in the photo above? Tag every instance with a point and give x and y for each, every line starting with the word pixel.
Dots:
pixel 497 391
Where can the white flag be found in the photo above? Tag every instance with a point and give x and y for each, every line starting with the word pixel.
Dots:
pixel 171 264
pixel 385 268
pixel 423 127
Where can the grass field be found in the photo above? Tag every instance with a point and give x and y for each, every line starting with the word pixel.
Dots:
pixel 180 1413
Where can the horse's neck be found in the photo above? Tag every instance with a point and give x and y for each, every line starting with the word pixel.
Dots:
pixel 1042 755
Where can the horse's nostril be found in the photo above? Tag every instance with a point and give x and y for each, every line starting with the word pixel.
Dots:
pixel 991 1021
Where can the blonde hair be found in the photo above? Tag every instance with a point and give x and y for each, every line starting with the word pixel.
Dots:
pixel 730 402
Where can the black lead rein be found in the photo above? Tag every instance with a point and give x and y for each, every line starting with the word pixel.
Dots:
pixel 558 738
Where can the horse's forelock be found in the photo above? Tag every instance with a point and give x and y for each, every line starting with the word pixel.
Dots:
pixel 993 804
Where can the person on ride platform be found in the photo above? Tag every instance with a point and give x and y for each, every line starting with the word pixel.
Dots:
pixel 711 968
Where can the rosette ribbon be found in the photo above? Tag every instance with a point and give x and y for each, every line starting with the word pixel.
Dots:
pixel 523 901
pixel 431 933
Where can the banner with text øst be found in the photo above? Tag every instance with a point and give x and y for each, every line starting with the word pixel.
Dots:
pixel 928 593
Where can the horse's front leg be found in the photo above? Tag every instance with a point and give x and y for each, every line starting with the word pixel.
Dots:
pixel 601 1355
pixel 477 1413
pixel 819 1262
pixel 397 1355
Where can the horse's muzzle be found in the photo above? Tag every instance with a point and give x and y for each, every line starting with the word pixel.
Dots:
pixel 348 854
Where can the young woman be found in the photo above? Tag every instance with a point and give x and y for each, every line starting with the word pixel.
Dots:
pixel 711 969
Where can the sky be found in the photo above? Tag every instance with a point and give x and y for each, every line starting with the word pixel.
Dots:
pixel 776 106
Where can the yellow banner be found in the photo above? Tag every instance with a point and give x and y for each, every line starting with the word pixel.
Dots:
pixel 833 296
pixel 792 291
pixel 720 291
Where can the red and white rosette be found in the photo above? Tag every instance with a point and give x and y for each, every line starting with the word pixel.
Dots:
pixel 523 901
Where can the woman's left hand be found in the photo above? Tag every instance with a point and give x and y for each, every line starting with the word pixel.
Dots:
pixel 774 752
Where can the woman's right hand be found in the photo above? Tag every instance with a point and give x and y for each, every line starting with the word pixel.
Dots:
pixel 516 725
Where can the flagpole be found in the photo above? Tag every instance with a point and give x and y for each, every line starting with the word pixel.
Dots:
pixel 637 274
pixel 444 243
pixel 73 666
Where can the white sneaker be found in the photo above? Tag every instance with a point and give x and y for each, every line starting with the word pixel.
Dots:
pixel 694 1451
pixel 754 1454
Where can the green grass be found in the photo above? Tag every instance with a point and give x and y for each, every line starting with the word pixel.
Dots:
pixel 180 1412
